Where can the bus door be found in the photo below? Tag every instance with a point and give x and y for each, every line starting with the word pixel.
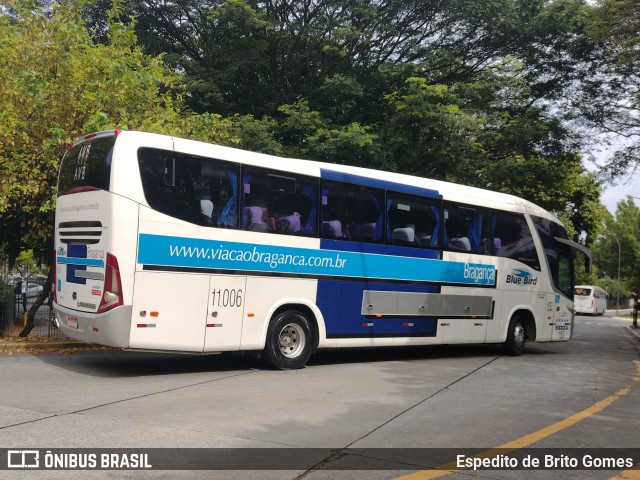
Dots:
pixel 562 317
pixel 225 311
pixel 558 319
pixel 559 251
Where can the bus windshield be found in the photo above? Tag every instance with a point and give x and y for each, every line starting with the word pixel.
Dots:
pixel 558 254
pixel 87 164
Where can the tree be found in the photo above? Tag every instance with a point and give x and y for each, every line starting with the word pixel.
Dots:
pixel 610 96
pixel 458 90
pixel 59 88
pixel 250 56
pixel 625 229
pixel 616 291
pixel 26 264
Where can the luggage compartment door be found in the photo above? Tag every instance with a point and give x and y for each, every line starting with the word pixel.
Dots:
pixel 169 311
pixel 225 312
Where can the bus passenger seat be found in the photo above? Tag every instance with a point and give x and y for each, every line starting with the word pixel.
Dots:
pixel 461 243
pixel 290 223
pixel 403 236
pixel 424 239
pixel 252 219
pixel 206 209
pixel 363 231
pixel 331 229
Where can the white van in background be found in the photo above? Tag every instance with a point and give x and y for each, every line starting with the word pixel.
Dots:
pixel 589 299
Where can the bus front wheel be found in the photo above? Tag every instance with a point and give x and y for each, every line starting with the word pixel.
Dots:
pixel 516 337
pixel 289 341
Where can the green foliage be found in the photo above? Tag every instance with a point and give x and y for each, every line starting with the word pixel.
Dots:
pixel 467 91
pixel 618 247
pixel 616 291
pixel 581 276
pixel 456 90
pixel 304 133
pixel 610 97
pixel 61 87
pixel 206 127
pixel 429 133
pixel 27 265
pixel 7 293
pixel 256 135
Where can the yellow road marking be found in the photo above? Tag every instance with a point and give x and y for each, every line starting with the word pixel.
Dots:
pixel 628 474
pixel 522 442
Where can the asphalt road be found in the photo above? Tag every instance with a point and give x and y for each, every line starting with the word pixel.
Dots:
pixel 354 405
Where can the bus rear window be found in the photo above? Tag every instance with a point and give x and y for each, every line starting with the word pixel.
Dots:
pixel 189 187
pixel 87 164
pixel 582 292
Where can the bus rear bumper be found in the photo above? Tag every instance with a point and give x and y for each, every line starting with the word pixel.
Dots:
pixel 581 311
pixel 111 328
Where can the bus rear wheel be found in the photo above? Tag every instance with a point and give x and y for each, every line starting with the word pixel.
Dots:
pixel 516 337
pixel 290 341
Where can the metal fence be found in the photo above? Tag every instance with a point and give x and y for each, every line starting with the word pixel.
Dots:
pixel 17 296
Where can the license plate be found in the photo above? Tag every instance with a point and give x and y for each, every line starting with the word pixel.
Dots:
pixel 72 322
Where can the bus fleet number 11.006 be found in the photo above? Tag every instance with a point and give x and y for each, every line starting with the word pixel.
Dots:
pixel 226 298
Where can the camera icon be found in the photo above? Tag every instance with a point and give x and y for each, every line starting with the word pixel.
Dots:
pixel 23 459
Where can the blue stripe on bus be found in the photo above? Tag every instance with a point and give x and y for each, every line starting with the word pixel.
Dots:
pixel 376 183
pixel 86 262
pixel 378 249
pixel 77 261
pixel 340 302
pixel 199 253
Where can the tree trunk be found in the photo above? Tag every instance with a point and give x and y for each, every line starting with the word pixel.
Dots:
pixel 42 298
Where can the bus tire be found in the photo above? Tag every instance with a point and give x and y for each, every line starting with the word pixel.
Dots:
pixel 289 342
pixel 516 337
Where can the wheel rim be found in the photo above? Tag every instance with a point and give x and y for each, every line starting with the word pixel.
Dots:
pixel 518 336
pixel 291 340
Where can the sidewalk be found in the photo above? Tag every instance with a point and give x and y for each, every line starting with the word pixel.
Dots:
pixel 633 331
pixel 40 344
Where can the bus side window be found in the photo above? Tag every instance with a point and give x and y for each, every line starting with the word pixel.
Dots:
pixel 351 212
pixel 412 221
pixel 279 202
pixel 195 189
pixel 169 184
pixel 465 228
pixel 219 195
pixel 512 238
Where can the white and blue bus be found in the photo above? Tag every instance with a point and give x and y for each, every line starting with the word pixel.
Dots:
pixel 167 244
pixel 590 299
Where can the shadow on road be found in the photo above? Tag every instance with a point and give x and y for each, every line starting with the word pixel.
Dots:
pixel 388 354
pixel 118 363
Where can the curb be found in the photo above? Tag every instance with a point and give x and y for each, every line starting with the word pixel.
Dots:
pixel 35 345
pixel 629 327
pixel 634 331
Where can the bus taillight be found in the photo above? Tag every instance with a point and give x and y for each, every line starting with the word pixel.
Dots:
pixel 112 296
